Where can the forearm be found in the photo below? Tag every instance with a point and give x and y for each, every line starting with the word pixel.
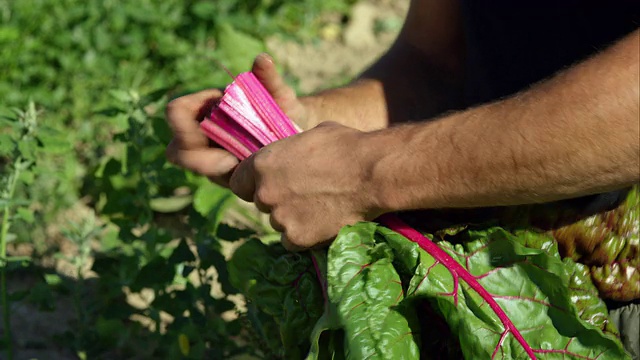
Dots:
pixel 573 135
pixel 403 85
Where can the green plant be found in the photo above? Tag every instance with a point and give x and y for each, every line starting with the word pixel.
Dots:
pixel 385 293
pixel 157 230
pixel 166 246
pixel 22 140
pixel 68 61
pixel 81 234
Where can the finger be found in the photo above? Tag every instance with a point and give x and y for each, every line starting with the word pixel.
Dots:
pixel 222 180
pixel 265 70
pixel 261 206
pixel 328 124
pixel 210 162
pixel 243 182
pixel 287 244
pixel 275 224
pixel 184 114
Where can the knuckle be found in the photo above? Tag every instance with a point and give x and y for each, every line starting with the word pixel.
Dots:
pixel 327 123
pixel 278 216
pixel 286 93
pixel 275 224
pixel 296 238
pixel 262 161
pixel 174 105
pixel 264 195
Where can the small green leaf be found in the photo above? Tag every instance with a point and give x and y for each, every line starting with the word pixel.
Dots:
pixel 17 296
pixel 237 48
pixel 161 129
pixel 122 96
pixel 170 204
pixel 110 112
pixel 52 279
pixel 7 144
pixel 27 177
pixel 182 253
pixel 230 233
pixel 54 141
pixel 210 196
pixel 156 274
pixel 25 215
pixel 155 96
pixel 27 149
pixel 22 259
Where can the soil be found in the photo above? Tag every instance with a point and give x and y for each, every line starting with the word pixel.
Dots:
pixel 344 50
pixel 340 53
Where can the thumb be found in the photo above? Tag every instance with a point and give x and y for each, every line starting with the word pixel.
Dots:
pixel 265 70
pixel 242 181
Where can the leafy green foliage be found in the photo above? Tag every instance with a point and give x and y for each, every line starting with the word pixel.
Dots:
pixel 608 242
pixel 101 73
pixel 365 292
pixel 91 172
pixel 525 281
pixel 75 60
pixel 283 286
pixel 23 140
pixel 173 264
pixel 378 281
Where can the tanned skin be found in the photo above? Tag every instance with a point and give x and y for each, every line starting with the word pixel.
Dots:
pixel 574 134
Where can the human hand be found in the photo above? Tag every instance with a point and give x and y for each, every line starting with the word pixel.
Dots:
pixel 312 184
pixel 191 149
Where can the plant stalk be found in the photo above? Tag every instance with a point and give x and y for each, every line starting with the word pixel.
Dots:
pixel 4 262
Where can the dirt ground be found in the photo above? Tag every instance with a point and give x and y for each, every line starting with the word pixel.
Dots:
pixel 343 50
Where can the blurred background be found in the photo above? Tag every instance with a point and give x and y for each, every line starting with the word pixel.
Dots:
pixel 107 251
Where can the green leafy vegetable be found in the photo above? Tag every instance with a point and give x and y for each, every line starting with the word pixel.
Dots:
pixel 366 291
pixel 377 281
pixel 608 242
pixel 284 287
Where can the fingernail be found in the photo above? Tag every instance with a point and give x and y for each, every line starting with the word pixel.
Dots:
pixel 266 57
pixel 227 163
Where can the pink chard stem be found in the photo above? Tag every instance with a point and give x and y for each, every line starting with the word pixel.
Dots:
pixel 235 103
pixel 224 139
pixel 266 106
pixel 458 271
pixel 221 119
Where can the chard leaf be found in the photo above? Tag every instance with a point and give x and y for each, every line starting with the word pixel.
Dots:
pixel 377 282
pixel 608 242
pixel 237 48
pixel 591 308
pixel 365 290
pixel 530 285
pixel 284 287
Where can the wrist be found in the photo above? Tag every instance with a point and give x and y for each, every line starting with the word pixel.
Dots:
pixel 379 153
pixel 401 166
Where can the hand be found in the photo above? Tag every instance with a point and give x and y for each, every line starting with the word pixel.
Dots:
pixel 191 149
pixel 312 184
